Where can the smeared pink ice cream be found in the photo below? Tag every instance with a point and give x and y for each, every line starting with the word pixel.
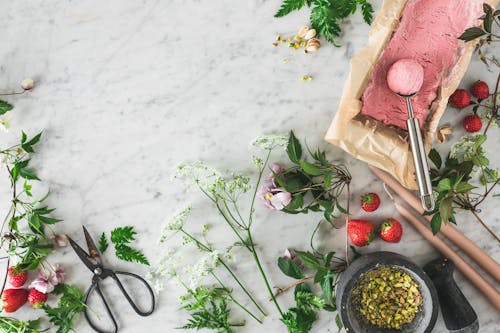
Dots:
pixel 427 33
pixel 405 77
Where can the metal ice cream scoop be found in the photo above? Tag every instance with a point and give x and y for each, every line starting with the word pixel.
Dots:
pixel 405 78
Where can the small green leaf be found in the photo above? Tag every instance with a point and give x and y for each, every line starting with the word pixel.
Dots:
pixel 445 209
pixel 296 203
pixel 436 223
pixel 289 6
pixel 327 180
pixel 338 321
pixel 289 268
pixel 444 185
pixel 103 243
pixel 5 107
pixel 308 259
pixel 294 149
pixel 23 137
pixel 123 235
pixel 326 286
pixel 312 169
pixel 302 288
pixel 435 158
pixel 464 187
pixel 126 253
pixel 471 34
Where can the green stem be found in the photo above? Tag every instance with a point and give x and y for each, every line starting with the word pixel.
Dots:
pixel 261 270
pixel 243 242
pixel 228 269
pixel 234 300
pixel 261 171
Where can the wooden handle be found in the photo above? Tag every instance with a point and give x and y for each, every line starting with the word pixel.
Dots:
pixel 487 289
pixel 448 230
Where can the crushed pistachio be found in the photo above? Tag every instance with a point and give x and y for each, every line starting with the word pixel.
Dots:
pixel 387 297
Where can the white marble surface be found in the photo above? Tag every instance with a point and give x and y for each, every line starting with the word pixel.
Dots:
pixel 127 89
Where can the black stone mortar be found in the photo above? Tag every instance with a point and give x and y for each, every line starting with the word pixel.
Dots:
pixel 354 323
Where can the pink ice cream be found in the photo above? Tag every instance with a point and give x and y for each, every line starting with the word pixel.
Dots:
pixel 427 33
pixel 405 77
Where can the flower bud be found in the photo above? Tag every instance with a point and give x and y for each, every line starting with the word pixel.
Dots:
pixel 27 84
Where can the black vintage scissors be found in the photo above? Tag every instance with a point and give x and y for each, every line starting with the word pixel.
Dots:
pixel 92 260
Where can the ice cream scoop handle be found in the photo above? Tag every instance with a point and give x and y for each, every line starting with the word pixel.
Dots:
pixel 420 161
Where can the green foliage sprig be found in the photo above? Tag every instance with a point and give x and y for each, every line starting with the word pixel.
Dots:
pixel 209 309
pixel 327 15
pixel 13 325
pixel 486 34
pixel 121 238
pixel 315 186
pixel 69 306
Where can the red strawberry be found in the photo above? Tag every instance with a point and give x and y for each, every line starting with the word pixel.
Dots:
pixel 391 231
pixel 460 99
pixel 480 90
pixel 15 277
pixel 36 298
pixel 370 202
pixel 13 299
pixel 361 232
pixel 472 123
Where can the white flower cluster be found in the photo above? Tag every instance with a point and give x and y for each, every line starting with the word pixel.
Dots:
pixel 201 174
pixel 463 149
pixel 239 182
pixel 271 141
pixel 202 268
pixel 166 268
pixel 175 223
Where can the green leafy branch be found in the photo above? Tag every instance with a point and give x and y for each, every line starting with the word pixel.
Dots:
pixel 315 186
pixel 27 219
pixel 70 305
pixel 327 15
pixel 121 238
pixel 209 309
pixel 486 33
pixel 13 325
pixel 452 181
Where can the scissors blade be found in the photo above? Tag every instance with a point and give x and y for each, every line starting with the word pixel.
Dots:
pixel 84 256
pixel 93 252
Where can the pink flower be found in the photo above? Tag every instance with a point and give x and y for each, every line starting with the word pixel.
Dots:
pixel 46 281
pixel 274 198
pixel 43 282
pixel 58 275
pixel 59 240
pixel 276 169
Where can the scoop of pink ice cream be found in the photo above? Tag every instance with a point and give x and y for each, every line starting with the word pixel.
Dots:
pixel 405 77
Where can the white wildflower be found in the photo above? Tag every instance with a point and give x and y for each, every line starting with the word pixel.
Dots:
pixel 464 149
pixel 259 163
pixel 5 121
pixel 271 141
pixel 201 174
pixel 175 223
pixel 239 182
pixel 202 268
pixel 166 268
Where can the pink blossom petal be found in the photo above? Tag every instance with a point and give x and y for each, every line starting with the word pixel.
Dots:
pixel 280 200
pixel 42 285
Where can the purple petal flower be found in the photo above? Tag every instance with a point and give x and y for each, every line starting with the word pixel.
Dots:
pixel 59 240
pixel 42 285
pixel 276 169
pixel 58 275
pixel 274 198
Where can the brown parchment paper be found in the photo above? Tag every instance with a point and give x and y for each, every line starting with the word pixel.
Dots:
pixel 387 147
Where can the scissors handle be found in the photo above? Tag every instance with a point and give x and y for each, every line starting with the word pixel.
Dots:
pixel 114 275
pixel 134 306
pixel 95 286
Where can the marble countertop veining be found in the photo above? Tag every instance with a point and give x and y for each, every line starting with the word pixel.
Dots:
pixel 125 90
